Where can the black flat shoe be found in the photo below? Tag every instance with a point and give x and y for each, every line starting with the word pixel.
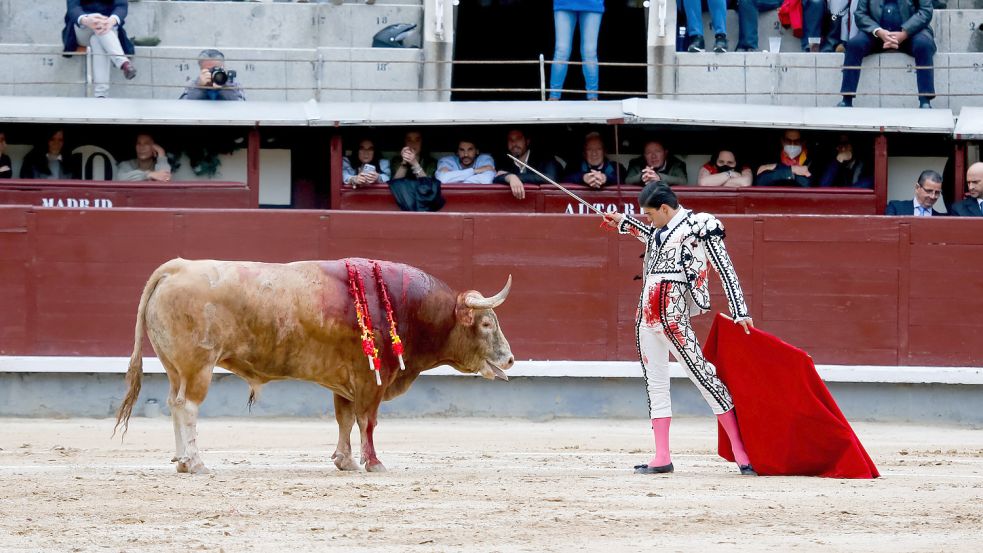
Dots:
pixel 645 469
pixel 844 104
pixel 747 470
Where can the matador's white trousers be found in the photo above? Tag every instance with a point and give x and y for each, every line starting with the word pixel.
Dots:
pixel 663 327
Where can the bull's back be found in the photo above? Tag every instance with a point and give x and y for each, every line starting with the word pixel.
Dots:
pixel 264 321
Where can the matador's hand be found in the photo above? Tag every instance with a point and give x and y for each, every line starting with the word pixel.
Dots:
pixel 747 324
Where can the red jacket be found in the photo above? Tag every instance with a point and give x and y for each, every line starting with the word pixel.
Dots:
pixel 790 15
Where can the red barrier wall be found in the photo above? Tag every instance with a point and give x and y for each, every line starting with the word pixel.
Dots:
pixel 849 290
pixel 105 194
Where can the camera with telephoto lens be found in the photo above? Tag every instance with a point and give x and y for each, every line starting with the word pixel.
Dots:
pixel 222 76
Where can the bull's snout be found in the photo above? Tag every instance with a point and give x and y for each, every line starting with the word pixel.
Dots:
pixel 508 364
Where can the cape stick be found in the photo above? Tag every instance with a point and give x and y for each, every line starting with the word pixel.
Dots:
pixel 554 183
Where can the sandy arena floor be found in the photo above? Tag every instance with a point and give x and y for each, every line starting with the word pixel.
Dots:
pixel 470 484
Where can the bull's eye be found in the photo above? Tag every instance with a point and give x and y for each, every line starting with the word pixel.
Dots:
pixel 487 324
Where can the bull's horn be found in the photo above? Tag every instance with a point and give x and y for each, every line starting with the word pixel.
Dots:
pixel 476 301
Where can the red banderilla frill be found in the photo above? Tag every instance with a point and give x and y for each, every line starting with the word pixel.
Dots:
pixel 357 288
pixel 390 316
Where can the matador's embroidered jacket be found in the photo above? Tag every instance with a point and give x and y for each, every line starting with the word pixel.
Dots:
pixel 685 255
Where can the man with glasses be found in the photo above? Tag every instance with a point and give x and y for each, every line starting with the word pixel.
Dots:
pixel 792 167
pixel 927 192
pixel 973 205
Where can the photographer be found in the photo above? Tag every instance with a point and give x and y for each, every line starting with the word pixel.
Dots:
pixel 214 82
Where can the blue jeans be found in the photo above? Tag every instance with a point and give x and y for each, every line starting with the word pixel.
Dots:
pixel 694 16
pixel 813 14
pixel 747 20
pixel 921 46
pixel 564 22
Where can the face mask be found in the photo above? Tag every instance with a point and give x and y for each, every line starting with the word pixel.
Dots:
pixel 723 168
pixel 793 151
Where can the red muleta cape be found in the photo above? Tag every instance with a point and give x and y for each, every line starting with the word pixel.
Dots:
pixel 789 421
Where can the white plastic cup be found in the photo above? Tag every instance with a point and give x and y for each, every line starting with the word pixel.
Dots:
pixel 774 44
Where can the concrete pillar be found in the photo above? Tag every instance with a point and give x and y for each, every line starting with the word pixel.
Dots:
pixel 661 45
pixel 438 48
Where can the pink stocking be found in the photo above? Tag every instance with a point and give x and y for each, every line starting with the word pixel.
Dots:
pixel 660 427
pixel 729 421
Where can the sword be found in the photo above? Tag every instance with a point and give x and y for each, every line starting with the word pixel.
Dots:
pixel 554 183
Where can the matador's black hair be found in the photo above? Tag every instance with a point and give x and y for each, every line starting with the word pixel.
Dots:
pixel 657 193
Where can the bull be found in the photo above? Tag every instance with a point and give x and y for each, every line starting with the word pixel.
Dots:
pixel 267 321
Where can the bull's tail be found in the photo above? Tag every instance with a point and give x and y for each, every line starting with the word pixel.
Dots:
pixel 134 375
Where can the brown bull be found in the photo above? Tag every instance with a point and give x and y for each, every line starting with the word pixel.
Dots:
pixel 266 321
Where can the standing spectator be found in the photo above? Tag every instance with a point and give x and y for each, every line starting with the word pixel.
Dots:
pixel 45 160
pixel 214 81
pixel 365 166
pixel 928 189
pixel 515 175
pixel 847 170
pixel 792 167
pixel 596 170
pixel 412 162
pixel 747 22
pixel 973 205
pixel 567 14
pixel 901 25
pixel 723 169
pixel 150 163
pixel 694 25
pixel 98 24
pixel 468 166
pixel 6 167
pixel 655 164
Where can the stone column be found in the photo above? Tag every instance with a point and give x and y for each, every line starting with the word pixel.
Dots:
pixel 661 45
pixel 438 46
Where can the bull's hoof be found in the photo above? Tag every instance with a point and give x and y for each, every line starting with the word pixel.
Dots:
pixel 190 466
pixel 375 467
pixel 344 462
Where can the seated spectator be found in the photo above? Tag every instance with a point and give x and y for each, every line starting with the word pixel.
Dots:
pixel 972 206
pixel 6 166
pixel 724 170
pixel 814 16
pixel 928 190
pixel 45 161
pixel 901 25
pixel 517 144
pixel 365 166
pixel 150 163
pixel 596 170
pixel 98 24
pixel 214 81
pixel 694 24
pixel 655 164
pixel 847 170
pixel 792 167
pixel 747 22
pixel 411 161
pixel 468 166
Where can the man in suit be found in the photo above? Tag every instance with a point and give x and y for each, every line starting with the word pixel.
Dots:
pixel 884 25
pixel 98 24
pixel 973 205
pixel 928 190
pixel 514 175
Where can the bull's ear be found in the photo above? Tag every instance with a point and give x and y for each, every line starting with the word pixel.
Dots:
pixel 463 313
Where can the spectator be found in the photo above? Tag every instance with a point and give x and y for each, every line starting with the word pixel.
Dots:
pixel 468 166
pixel 723 169
pixel 901 25
pixel 6 166
pixel 928 189
pixel 847 170
pixel 411 161
pixel 98 24
pixel 45 161
pixel 517 144
pixel 596 170
pixel 365 166
pixel 694 25
pixel 747 22
pixel 814 14
pixel 792 167
pixel 973 205
pixel 567 14
pixel 655 164
pixel 150 163
pixel 214 81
